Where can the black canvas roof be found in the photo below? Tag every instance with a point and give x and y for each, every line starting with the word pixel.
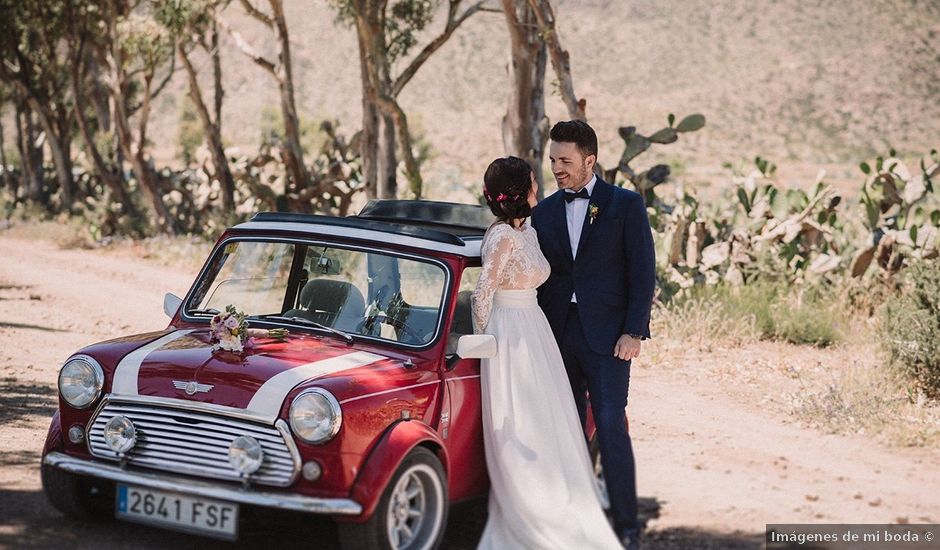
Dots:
pixel 442 222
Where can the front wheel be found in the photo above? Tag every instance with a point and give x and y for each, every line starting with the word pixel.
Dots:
pixel 78 497
pixel 412 512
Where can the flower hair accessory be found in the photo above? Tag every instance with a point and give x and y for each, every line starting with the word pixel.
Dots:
pixel 502 197
pixel 229 331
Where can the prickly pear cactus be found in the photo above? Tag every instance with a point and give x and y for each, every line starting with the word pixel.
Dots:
pixel 901 213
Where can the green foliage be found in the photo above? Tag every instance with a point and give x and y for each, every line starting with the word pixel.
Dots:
pixel 911 327
pixel 404 20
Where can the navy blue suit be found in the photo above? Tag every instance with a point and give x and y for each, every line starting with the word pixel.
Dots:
pixel 613 275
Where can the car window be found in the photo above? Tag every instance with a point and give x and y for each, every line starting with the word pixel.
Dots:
pixel 362 292
pixel 252 275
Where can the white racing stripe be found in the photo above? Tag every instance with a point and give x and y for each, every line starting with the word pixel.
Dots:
pixel 125 375
pixel 266 403
pixel 269 397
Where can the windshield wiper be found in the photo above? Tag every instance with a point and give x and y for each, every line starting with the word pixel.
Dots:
pixel 304 321
pixel 204 311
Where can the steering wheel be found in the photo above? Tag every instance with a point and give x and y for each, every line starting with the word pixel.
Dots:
pixel 382 318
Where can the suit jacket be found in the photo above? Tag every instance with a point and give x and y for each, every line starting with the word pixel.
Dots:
pixel 614 273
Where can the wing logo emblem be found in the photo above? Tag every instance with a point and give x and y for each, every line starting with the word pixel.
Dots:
pixel 192 388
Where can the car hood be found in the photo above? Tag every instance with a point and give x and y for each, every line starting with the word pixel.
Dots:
pixel 182 364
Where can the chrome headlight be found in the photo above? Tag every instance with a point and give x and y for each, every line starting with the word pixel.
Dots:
pixel 315 416
pixel 245 454
pixel 80 381
pixel 120 434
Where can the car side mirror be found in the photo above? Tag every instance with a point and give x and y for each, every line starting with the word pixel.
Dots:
pixel 476 346
pixel 171 304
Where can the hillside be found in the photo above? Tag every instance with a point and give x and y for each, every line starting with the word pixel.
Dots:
pixel 806 84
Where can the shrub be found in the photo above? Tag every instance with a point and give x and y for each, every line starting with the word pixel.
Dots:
pixel 764 310
pixel 911 327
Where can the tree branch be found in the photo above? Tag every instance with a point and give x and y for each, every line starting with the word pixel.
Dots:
pixel 258 14
pixel 246 49
pixel 453 22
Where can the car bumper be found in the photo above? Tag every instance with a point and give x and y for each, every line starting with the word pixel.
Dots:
pixel 188 486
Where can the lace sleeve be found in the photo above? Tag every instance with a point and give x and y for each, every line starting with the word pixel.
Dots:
pixel 497 248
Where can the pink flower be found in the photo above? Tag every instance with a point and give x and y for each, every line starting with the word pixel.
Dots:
pixel 231 322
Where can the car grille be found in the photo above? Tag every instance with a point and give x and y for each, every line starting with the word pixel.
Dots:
pixel 194 443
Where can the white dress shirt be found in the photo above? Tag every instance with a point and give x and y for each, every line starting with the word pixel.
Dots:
pixel 575 211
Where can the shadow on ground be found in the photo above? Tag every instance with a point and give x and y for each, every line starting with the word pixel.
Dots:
pixel 27 520
pixel 22 399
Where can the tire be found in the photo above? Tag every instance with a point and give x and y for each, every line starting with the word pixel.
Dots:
pixel 419 486
pixel 78 497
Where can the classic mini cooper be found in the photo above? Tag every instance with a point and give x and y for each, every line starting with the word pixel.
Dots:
pixel 367 410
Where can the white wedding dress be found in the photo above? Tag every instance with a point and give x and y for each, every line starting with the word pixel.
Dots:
pixel 543 492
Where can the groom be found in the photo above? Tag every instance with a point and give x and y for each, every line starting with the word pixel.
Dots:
pixel 597 239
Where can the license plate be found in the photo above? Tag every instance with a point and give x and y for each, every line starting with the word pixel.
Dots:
pixel 197 515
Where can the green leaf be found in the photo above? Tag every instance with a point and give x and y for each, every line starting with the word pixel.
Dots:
pixel 935 218
pixel 691 123
pixel 913 232
pixel 671 118
pixel 866 169
pixel 742 196
pixel 664 136
pixel 635 145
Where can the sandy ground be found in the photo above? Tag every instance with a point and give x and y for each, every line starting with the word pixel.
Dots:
pixel 711 453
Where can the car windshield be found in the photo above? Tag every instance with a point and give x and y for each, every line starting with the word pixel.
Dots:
pixel 357 292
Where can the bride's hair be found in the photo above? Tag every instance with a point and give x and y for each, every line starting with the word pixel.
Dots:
pixel 506 185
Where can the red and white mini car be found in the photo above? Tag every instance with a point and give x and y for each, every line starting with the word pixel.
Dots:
pixel 367 412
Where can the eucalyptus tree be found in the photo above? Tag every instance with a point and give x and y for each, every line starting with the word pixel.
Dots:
pixel 525 126
pixel 281 70
pixel 136 50
pixel 387 33
pixel 84 51
pixel 193 25
pixel 30 41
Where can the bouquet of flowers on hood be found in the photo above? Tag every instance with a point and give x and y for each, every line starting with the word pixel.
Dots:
pixel 230 332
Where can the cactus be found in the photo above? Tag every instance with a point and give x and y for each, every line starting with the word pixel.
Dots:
pixel 635 144
pixel 901 213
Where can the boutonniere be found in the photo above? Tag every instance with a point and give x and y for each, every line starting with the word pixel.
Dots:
pixel 594 211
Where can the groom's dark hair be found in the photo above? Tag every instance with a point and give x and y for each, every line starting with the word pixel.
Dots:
pixel 578 132
pixel 506 185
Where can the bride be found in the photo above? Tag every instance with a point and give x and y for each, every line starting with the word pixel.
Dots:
pixel 543 493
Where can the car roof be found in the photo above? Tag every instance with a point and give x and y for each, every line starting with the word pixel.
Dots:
pixel 429 225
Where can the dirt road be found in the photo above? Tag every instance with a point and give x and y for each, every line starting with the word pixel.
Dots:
pixel 718 461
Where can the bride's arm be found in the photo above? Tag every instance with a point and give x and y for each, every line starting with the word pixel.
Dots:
pixel 497 247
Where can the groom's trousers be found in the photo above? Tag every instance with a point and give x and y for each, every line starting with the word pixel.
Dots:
pixel 607 379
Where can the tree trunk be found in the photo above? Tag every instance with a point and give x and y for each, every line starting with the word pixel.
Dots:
pixel 8 181
pixel 111 177
pixel 387 187
pixel 57 146
pixel 31 156
pixel 213 136
pixel 561 62
pixel 369 144
pixel 525 126
pixel 293 153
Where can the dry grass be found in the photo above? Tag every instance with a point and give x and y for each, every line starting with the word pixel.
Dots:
pixel 865 397
pixel 846 388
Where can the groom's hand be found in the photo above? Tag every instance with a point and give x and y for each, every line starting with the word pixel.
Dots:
pixel 627 348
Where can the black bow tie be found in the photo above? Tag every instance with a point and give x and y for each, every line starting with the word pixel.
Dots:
pixel 582 194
